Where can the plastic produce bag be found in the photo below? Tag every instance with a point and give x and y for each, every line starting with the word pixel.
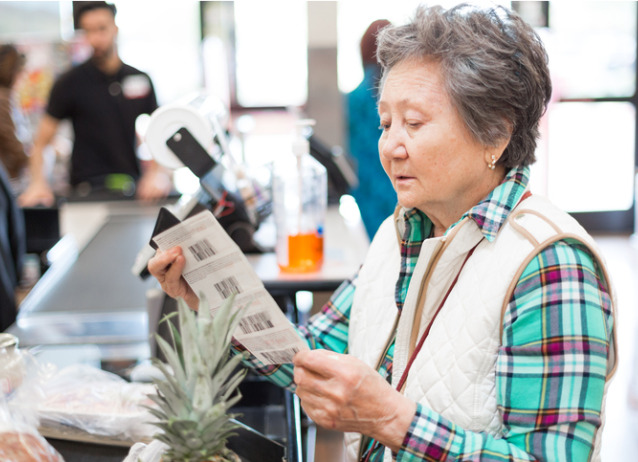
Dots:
pixel 151 452
pixel 93 401
pixel 19 439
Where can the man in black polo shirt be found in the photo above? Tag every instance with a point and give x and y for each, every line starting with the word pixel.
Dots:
pixel 102 97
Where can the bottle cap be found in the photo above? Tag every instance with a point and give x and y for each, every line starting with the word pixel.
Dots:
pixel 303 130
pixel 8 340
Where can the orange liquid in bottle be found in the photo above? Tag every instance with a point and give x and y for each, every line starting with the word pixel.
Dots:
pixel 305 253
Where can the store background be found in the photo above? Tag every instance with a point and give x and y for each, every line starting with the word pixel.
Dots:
pixel 264 57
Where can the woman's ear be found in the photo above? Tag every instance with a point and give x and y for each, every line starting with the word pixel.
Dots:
pixel 493 153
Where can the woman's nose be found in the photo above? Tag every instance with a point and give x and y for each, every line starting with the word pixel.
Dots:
pixel 391 144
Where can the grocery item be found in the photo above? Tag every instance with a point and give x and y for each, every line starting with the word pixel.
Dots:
pixel 199 385
pixel 300 196
pixel 11 365
pixel 22 446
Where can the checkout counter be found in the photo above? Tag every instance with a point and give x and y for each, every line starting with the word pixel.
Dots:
pixel 89 308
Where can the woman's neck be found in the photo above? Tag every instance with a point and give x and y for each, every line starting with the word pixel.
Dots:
pixel 448 214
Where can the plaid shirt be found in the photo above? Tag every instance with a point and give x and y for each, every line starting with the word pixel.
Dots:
pixel 551 368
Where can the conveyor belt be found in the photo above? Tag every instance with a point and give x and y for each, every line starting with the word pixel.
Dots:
pixel 93 298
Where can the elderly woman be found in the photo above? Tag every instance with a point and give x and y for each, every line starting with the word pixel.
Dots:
pixel 480 326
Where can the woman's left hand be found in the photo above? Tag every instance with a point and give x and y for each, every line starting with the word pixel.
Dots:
pixel 343 393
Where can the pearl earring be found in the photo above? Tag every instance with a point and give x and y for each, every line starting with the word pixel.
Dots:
pixel 492 165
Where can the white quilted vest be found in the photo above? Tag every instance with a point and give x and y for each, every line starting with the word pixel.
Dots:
pixel 454 373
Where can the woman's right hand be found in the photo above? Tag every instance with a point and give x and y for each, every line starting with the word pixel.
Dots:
pixel 166 267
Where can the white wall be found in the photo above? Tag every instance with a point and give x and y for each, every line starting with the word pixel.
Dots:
pixel 169 46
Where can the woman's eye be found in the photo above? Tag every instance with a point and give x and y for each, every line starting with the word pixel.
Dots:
pixel 384 126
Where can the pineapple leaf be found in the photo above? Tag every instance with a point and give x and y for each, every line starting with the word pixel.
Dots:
pixel 218 432
pixel 232 386
pixel 159 415
pixel 177 403
pixel 172 379
pixel 162 407
pixel 203 393
pixel 182 427
pixel 232 401
pixel 177 340
pixel 222 378
pixel 206 313
pixel 193 361
pixel 217 347
pixel 173 360
pixel 234 320
pixel 169 376
pixel 175 337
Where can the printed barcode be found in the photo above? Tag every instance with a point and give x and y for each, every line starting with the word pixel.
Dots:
pixel 280 357
pixel 227 287
pixel 202 250
pixel 255 323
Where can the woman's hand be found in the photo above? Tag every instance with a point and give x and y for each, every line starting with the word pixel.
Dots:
pixel 166 267
pixel 343 393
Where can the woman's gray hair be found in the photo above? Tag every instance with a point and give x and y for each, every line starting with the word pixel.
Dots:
pixel 494 69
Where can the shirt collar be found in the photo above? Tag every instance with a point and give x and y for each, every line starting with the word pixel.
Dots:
pixel 489 215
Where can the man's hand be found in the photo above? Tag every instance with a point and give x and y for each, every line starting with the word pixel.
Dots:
pixel 37 193
pixel 155 182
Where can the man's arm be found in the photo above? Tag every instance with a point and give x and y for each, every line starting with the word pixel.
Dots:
pixel 155 182
pixel 39 191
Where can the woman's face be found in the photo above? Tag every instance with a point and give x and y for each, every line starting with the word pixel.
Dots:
pixel 432 160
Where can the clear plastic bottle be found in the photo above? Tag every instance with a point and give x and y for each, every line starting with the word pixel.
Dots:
pixel 11 365
pixel 300 191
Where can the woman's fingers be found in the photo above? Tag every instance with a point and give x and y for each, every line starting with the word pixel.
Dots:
pixel 162 261
pixel 342 392
pixel 172 282
pixel 167 266
pixel 327 383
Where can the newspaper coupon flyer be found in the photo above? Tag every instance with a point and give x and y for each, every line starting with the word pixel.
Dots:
pixel 216 267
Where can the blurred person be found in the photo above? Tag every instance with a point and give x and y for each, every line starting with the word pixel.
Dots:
pixel 481 323
pixel 374 194
pixel 12 249
pixel 103 97
pixel 12 149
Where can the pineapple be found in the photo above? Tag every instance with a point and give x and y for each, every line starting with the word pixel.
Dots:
pixel 199 385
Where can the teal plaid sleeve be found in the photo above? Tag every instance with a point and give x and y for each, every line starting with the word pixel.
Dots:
pixel 327 329
pixel 550 372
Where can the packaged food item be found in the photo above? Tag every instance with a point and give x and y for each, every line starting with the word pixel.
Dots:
pixel 95 402
pixel 19 437
pixel 26 446
pixel 79 402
